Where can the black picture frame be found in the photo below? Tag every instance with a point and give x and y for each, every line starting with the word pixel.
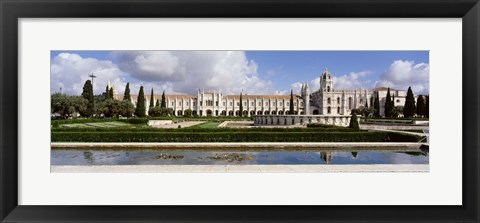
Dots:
pixel 11 11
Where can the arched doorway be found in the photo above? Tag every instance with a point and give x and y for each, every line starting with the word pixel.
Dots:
pixel 230 113
pixel 216 112
pixel 237 113
pixel 315 112
pixel 194 112
pixel 252 113
pixel 209 112
pixel 224 113
pixel 179 113
pixel 280 112
pixel 259 112
pixel 274 112
pixel 267 112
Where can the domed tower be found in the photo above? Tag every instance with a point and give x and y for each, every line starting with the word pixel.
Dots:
pixel 326 81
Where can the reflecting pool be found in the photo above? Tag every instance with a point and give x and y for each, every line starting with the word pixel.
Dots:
pixel 233 157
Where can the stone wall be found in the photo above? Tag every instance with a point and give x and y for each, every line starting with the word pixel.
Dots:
pixel 338 120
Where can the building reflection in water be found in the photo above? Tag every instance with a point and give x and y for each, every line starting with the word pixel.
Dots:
pixel 326 157
pixel 88 156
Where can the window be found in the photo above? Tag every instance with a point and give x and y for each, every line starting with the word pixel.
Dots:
pixel 338 100
pixel 223 103
pixel 187 103
pixel 238 103
pixel 350 103
pixel 329 110
pixel 301 103
pixel 361 101
pixel 398 100
pixel 273 103
pixel 216 103
pixel 338 110
pixel 288 103
pixel 173 103
pixel 231 103
pixel 281 103
pixel 180 103
pixel 328 88
pixel 201 103
pixel 266 103
pixel 252 103
pixel 329 101
pixel 244 103
pixel 194 103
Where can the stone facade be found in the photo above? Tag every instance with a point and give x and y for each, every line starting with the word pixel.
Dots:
pixel 325 101
pixel 338 120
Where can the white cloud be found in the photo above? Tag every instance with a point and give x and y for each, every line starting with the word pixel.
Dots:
pixel 70 71
pixel 186 71
pixel 352 81
pixel 402 74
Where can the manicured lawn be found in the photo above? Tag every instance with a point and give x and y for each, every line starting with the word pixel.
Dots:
pixel 207 125
pixel 97 125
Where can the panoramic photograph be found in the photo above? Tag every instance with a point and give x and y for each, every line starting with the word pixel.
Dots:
pixel 239 111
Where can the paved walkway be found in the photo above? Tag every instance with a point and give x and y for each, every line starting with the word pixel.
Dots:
pixel 241 168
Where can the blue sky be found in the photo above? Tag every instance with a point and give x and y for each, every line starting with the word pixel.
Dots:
pixel 256 72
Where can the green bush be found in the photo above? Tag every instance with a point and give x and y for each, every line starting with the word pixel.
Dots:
pixel 195 129
pixel 231 137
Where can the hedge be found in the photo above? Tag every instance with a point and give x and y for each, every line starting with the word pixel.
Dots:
pixel 232 137
pixel 193 129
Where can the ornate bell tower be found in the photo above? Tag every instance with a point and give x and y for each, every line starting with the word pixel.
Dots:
pixel 326 81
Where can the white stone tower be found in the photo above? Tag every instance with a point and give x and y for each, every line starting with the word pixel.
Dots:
pixel 306 99
pixel 326 81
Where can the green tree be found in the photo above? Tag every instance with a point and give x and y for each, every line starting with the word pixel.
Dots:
pixel 88 94
pixel 187 112
pixel 388 105
pixel 127 108
pixel 140 110
pixel 152 101
pixel 157 104
pixel 420 106
pixel 397 110
pixel 110 93
pixel 427 109
pixel 409 109
pixel 376 106
pixel 126 94
pixel 67 106
pixel 107 92
pixel 291 103
pixel 164 102
pixel 354 122
pixel 241 105
pixel 159 111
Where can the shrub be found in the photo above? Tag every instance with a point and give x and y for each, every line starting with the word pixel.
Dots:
pixel 231 137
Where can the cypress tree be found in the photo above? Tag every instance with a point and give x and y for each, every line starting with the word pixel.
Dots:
pixel 140 110
pixel 388 105
pixel 241 105
pixel 376 106
pixel 420 106
pixel 354 122
pixel 157 105
pixel 427 107
pixel 88 94
pixel 291 103
pixel 126 95
pixel 107 92
pixel 409 108
pixel 366 104
pixel 164 102
pixel 152 102
pixel 110 93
